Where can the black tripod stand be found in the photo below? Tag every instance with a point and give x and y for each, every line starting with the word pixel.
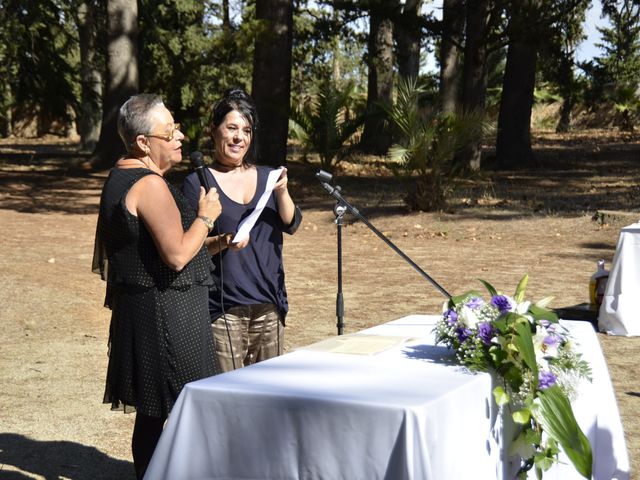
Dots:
pixel 339 210
pixel 342 206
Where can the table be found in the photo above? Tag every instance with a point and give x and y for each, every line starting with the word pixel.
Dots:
pixel 406 413
pixel 618 312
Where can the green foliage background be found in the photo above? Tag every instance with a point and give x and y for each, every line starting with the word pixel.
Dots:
pixel 190 51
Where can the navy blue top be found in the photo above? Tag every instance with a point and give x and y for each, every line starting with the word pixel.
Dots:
pixel 255 274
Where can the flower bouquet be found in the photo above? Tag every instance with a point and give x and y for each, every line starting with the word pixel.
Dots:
pixel 535 365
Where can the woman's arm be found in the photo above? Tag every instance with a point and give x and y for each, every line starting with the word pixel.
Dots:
pixel 218 243
pixel 151 200
pixel 286 207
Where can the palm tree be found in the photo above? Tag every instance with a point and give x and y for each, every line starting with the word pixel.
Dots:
pixel 428 145
pixel 327 122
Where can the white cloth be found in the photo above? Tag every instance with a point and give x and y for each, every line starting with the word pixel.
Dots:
pixel 406 413
pixel 247 224
pixel 597 414
pixel 619 313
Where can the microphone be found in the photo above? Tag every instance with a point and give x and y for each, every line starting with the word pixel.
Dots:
pixel 323 176
pixel 197 161
pixel 325 179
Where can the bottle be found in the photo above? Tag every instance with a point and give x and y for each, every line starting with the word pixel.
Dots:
pixel 597 285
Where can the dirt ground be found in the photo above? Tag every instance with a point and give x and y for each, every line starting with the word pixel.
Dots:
pixel 53 347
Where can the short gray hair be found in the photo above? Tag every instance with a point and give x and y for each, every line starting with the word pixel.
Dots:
pixel 134 118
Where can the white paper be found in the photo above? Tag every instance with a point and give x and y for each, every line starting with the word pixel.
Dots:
pixel 358 344
pixel 247 224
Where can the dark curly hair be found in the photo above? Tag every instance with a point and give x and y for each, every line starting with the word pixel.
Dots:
pixel 239 100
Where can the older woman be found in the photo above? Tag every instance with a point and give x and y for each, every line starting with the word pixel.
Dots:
pixel 249 310
pixel 158 275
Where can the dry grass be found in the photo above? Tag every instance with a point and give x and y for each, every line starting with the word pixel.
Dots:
pixel 53 347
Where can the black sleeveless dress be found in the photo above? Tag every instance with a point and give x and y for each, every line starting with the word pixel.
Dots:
pixel 160 335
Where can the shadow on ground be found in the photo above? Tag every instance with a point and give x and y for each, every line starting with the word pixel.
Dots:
pixel 21 458
pixel 567 179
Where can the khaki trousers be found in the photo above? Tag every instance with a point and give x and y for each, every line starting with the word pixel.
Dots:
pixel 248 334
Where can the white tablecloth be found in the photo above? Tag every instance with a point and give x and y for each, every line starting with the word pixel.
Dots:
pixel 405 413
pixel 619 313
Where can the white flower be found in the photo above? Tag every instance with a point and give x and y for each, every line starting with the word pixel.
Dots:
pixel 523 307
pixel 468 317
pixel 545 344
pixel 445 306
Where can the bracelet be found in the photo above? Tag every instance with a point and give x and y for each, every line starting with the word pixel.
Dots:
pixel 207 221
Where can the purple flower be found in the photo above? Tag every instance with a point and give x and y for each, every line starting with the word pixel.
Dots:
pixel 502 303
pixel 545 323
pixel 474 302
pixel 451 317
pixel 485 332
pixel 463 333
pixel 546 380
pixel 551 340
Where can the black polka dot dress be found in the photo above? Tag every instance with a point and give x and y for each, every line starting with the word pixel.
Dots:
pixel 160 334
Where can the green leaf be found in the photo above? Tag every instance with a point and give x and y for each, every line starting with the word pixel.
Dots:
pixel 522 446
pixel 513 376
pixel 522 416
pixel 540 313
pixel 497 355
pixel 533 436
pixel 462 298
pixel 555 415
pixel 543 461
pixel 524 341
pixel 492 291
pixel 500 324
pixel 501 397
pixel 522 285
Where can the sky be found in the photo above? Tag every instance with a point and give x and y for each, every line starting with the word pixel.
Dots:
pixel 586 50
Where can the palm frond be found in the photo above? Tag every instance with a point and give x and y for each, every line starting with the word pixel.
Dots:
pixel 326 122
pixel 429 142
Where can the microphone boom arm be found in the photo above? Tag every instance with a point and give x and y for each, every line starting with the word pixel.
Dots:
pixel 335 192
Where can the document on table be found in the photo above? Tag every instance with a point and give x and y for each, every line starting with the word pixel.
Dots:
pixel 247 224
pixel 358 344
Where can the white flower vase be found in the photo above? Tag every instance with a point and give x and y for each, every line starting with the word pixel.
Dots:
pixel 503 433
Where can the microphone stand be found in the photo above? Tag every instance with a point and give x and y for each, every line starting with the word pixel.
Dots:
pixel 342 206
pixel 339 210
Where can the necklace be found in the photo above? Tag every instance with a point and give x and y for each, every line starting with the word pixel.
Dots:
pixel 227 168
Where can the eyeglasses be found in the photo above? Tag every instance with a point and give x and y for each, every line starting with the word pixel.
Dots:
pixel 165 136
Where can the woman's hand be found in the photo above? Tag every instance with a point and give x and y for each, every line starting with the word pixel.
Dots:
pixel 221 242
pixel 209 204
pixel 280 186
pixel 238 245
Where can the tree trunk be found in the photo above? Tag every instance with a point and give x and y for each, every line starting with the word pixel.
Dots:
pixel 226 19
pixel 513 145
pixel 567 91
pixel 408 36
pixel 271 83
pixel 474 83
pixel 6 116
pixel 90 78
pixel 450 64
pixel 6 126
pixel 336 62
pixel 122 77
pixel 376 137
pixel 564 123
